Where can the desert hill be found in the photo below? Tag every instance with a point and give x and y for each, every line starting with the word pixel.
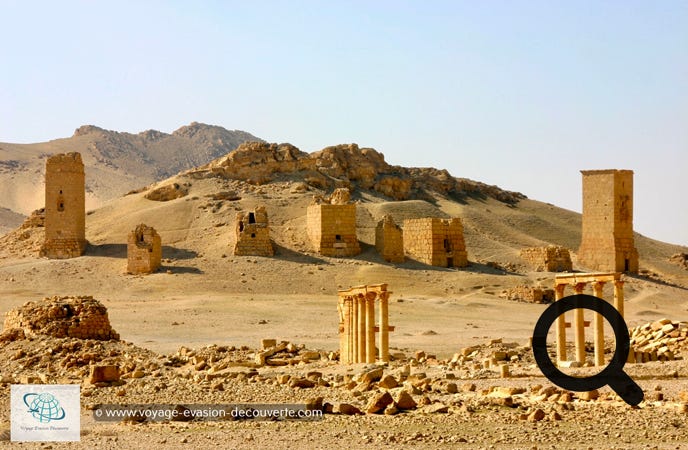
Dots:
pixel 9 220
pixel 204 294
pixel 115 162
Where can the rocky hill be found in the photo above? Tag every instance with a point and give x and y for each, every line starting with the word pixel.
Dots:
pixel 115 162
pixel 348 166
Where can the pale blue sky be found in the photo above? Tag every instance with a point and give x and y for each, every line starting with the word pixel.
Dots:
pixel 522 94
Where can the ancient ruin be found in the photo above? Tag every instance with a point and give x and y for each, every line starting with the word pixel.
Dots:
pixel 531 294
pixel 144 250
pixel 607 238
pixel 252 233
pixel 437 242
pixel 389 240
pixel 80 317
pixel 553 258
pixel 65 207
pixel 331 225
pixel 661 340
pixel 578 281
pixel 356 307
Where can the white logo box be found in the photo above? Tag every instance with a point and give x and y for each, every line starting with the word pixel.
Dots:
pixel 45 412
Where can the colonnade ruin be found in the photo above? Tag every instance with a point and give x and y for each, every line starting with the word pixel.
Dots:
pixel 578 281
pixel 357 328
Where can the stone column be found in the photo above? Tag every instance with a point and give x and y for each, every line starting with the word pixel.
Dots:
pixel 579 327
pixel 353 338
pixel 597 287
pixel 619 296
pixel 561 324
pixel 361 334
pixel 344 347
pixel 370 327
pixel 384 326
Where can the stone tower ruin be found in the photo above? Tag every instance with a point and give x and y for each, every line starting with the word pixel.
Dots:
pixel 331 225
pixel 144 250
pixel 65 207
pixel 437 242
pixel 607 238
pixel 253 233
pixel 389 240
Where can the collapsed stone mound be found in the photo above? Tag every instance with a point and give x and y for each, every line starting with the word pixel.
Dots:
pixel 168 192
pixel 27 239
pixel 80 317
pixel 661 340
pixel 680 259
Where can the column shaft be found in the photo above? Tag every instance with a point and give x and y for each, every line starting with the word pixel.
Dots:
pixel 370 330
pixel 597 288
pixel 619 297
pixel 579 327
pixel 361 329
pixel 561 325
pixel 384 327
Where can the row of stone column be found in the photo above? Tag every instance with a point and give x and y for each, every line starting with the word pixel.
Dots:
pixel 579 322
pixel 357 325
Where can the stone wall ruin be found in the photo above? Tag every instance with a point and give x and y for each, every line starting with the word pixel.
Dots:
pixel 434 241
pixel 531 294
pixel 144 250
pixel 252 233
pixel 552 258
pixel 389 240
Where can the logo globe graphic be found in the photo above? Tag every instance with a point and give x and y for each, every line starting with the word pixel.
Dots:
pixel 44 407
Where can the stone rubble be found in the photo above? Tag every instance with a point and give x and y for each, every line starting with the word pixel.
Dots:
pixel 662 340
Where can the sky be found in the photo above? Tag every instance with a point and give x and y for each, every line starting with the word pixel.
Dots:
pixel 521 94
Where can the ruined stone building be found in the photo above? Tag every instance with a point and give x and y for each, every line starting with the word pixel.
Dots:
pixel 553 258
pixel 607 239
pixel 65 207
pixel 389 240
pixel 532 294
pixel 80 317
pixel 252 233
pixel 144 250
pixel 331 225
pixel 437 242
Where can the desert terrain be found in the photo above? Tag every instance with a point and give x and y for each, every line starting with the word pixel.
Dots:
pixel 220 305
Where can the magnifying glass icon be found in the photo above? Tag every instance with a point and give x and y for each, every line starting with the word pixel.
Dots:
pixel 612 375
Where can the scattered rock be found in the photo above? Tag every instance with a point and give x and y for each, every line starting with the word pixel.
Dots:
pixel 379 402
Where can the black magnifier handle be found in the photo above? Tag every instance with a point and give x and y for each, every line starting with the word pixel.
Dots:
pixel 626 388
